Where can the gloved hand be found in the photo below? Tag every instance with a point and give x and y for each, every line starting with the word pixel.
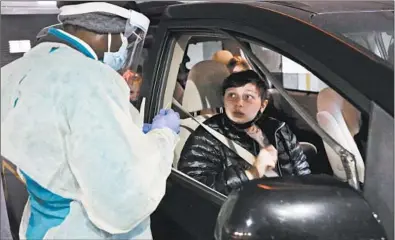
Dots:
pixel 147 127
pixel 167 118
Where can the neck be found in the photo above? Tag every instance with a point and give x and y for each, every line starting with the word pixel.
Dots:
pixel 90 38
pixel 71 40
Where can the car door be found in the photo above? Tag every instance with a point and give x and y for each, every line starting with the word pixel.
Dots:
pixel 189 209
pixel 192 206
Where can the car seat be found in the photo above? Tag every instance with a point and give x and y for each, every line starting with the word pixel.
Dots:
pixel 341 121
pixel 202 92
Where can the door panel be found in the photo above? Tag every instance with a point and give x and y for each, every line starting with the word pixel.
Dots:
pixel 189 209
pixel 379 181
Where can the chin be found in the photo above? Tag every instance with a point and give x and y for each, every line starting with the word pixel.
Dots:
pixel 238 120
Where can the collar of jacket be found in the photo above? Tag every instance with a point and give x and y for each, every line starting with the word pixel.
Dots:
pixel 268 125
pixel 60 36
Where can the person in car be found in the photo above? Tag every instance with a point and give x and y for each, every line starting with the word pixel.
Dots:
pixel 238 64
pixel 222 56
pixel 134 81
pixel 207 160
pixel 234 63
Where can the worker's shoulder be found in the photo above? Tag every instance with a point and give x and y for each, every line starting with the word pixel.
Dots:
pixel 76 67
pixel 80 63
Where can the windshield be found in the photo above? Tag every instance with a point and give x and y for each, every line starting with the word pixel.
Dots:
pixel 371 31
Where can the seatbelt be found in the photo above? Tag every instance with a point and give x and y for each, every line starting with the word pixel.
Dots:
pixel 232 145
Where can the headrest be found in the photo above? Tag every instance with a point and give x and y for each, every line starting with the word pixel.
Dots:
pixel 330 101
pixel 203 87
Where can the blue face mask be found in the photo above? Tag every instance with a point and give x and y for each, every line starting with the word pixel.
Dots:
pixel 116 59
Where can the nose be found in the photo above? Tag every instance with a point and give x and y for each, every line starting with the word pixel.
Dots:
pixel 239 102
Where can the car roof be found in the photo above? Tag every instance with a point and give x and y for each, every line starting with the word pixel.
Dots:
pixel 327 7
pixel 303 10
pixel 269 16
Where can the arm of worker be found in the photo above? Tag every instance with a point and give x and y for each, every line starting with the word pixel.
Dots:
pixel 120 170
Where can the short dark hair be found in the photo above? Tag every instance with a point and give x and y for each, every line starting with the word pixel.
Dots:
pixel 239 79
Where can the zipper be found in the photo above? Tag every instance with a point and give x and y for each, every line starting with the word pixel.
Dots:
pixel 275 139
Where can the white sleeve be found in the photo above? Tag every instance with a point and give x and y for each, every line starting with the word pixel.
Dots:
pixel 120 170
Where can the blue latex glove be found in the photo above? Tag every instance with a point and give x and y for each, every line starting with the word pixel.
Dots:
pixel 167 118
pixel 147 127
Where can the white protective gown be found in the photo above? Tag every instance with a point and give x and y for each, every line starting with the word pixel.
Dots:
pixel 66 123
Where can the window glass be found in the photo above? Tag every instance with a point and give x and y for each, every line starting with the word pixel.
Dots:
pixel 347 128
pixel 293 75
pixel 371 31
pixel 202 51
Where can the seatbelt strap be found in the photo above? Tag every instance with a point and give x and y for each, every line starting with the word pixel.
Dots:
pixel 6 165
pixel 239 150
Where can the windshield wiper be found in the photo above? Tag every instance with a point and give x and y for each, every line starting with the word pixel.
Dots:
pixel 347 158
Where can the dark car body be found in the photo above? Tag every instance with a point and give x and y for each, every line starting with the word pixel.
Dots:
pixel 283 26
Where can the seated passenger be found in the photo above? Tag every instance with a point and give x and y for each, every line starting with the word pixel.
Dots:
pixel 207 160
pixel 234 63
pixel 238 64
pixel 222 56
pixel 135 86
pixel 134 81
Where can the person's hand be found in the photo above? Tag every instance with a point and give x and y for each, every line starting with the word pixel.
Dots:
pixel 167 118
pixel 256 133
pixel 266 160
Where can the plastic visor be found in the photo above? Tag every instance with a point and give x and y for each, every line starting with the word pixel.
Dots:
pixel 44 32
pixel 135 36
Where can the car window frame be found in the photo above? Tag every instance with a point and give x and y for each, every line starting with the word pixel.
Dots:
pixel 182 41
pixel 337 82
pixel 208 26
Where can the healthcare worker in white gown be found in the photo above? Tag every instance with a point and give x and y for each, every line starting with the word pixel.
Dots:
pixel 66 123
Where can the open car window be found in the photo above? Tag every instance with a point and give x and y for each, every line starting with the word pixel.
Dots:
pixel 346 157
pixel 178 69
pixel 341 120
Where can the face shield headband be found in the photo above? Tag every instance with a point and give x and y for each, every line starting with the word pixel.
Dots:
pixel 135 31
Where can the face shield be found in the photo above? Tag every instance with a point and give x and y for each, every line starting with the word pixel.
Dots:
pixel 44 32
pixel 135 29
pixel 135 32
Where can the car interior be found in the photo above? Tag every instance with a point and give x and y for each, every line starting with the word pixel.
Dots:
pixel 201 97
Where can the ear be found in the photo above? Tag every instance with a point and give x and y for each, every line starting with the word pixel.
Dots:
pixel 264 105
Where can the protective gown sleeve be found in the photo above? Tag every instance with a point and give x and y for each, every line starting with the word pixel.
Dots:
pixel 121 172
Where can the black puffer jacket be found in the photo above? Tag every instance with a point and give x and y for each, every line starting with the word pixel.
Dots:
pixel 209 161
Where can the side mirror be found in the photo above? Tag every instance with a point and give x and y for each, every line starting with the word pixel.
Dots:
pixel 303 207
